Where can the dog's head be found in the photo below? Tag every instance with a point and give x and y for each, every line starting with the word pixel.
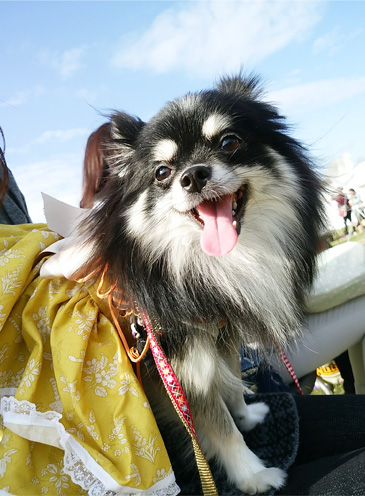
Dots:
pixel 214 198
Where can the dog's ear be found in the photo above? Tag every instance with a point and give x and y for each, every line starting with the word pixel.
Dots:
pixel 244 86
pixel 125 130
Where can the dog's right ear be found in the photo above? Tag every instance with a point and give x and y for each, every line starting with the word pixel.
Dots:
pixel 125 130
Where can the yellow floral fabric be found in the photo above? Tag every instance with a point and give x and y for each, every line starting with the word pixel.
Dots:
pixel 75 418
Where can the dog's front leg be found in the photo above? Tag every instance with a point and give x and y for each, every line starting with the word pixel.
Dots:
pixel 221 439
pixel 245 416
pixel 210 382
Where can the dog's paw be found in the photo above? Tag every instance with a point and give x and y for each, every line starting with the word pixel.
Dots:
pixel 254 414
pixel 262 481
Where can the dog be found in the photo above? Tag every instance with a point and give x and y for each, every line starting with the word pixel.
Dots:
pixel 210 222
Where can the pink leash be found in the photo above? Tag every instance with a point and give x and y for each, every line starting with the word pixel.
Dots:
pixel 290 369
pixel 180 403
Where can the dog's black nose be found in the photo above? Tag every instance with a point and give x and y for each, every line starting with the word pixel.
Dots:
pixel 195 178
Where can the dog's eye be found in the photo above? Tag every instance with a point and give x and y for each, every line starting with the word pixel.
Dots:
pixel 230 143
pixel 162 173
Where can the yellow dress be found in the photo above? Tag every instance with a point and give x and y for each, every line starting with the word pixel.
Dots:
pixel 75 419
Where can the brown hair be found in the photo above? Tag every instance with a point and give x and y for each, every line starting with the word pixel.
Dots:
pixel 4 173
pixel 95 171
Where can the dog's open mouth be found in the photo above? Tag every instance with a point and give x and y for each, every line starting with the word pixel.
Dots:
pixel 220 220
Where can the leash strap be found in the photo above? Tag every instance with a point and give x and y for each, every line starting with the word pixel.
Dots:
pixel 181 406
pixel 290 369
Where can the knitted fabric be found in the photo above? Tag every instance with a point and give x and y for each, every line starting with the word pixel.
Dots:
pixel 275 441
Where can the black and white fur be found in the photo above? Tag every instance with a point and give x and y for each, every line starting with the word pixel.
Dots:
pixel 224 140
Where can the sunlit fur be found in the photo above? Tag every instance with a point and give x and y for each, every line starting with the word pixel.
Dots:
pixel 143 228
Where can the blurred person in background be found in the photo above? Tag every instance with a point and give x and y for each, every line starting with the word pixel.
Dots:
pixel 358 208
pixel 344 208
pixel 13 208
pixel 95 169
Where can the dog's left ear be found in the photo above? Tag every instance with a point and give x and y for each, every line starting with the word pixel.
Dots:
pixel 244 86
pixel 125 131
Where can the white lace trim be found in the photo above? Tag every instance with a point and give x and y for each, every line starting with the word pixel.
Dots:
pixel 8 391
pixel 22 418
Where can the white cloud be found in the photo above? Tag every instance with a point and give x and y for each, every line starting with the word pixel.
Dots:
pixel 57 136
pixel 330 42
pixel 61 135
pixel 335 40
pixel 66 63
pixel 87 94
pixel 21 97
pixel 60 177
pixel 307 97
pixel 17 99
pixel 204 36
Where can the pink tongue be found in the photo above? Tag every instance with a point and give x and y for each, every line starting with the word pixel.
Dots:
pixel 219 236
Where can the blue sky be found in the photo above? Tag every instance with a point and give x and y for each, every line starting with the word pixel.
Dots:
pixel 67 64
